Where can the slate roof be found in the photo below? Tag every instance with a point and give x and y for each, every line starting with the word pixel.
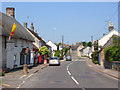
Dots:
pixel 6 23
pixel 74 47
pixel 36 35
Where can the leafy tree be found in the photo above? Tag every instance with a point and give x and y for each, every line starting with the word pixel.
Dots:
pixel 43 50
pixel 89 44
pixel 58 45
pixel 84 44
pixel 96 46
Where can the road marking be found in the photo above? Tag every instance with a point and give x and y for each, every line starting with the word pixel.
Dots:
pixel 69 73
pixel 74 80
pixel 5 85
pixel 67 69
pixel 22 76
pixel 29 76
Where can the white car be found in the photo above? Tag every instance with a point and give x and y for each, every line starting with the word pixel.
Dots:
pixel 54 61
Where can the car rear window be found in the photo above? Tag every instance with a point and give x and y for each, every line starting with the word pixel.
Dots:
pixel 54 58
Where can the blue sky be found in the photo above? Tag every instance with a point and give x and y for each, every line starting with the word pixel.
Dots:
pixel 77 21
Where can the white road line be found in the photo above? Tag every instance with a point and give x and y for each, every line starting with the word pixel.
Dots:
pixel 67 69
pixel 74 80
pixel 29 76
pixel 69 73
pixel 22 76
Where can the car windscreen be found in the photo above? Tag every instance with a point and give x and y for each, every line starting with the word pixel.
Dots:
pixel 54 58
pixel 68 57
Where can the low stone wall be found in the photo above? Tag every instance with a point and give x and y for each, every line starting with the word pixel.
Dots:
pixel 115 65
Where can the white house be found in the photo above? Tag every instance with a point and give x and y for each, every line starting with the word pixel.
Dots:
pixel 106 41
pixel 17 50
pixel 53 46
pixel 102 41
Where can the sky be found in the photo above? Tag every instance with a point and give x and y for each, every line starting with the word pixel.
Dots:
pixel 76 21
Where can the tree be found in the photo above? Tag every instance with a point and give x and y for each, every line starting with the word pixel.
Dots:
pixel 96 46
pixel 43 50
pixel 89 44
pixel 58 45
pixel 84 44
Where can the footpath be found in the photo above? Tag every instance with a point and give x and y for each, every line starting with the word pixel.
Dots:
pixel 109 72
pixel 14 79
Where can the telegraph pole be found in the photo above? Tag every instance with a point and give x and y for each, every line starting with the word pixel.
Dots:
pixel 62 45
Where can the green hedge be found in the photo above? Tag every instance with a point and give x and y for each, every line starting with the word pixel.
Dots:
pixel 95 57
pixel 112 53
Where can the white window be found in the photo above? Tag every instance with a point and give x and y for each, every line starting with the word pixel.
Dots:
pixel 15 60
pixel 15 42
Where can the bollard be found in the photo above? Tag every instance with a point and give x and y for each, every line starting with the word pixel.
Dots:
pixel 25 69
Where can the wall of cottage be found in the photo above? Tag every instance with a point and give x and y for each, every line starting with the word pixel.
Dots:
pixel 12 51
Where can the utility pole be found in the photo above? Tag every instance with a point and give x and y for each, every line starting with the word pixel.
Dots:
pixel 62 45
pixel 92 39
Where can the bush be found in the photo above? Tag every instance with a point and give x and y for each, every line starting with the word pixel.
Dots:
pixel 112 53
pixel 95 57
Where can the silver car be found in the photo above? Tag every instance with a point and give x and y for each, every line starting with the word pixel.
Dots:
pixel 54 61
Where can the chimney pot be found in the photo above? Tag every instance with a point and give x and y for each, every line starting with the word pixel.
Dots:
pixel 25 24
pixel 32 27
pixel 10 11
pixel 111 27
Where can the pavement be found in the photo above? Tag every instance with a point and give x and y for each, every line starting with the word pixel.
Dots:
pixel 78 73
pixel 109 72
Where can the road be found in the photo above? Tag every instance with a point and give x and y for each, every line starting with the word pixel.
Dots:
pixel 71 74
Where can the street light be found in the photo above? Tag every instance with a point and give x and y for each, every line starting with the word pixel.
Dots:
pixel 54 29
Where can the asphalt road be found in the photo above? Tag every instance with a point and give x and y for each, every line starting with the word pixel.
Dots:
pixel 71 74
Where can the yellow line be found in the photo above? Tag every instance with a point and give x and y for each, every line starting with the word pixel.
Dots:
pixel 5 85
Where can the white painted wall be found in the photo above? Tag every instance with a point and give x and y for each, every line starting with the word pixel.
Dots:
pixel 53 46
pixel 12 50
pixel 105 38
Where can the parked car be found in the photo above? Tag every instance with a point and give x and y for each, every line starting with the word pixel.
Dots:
pixel 68 58
pixel 54 61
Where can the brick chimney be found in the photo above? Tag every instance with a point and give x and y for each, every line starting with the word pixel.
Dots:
pixel 111 27
pixel 25 24
pixel 32 27
pixel 35 31
pixel 10 11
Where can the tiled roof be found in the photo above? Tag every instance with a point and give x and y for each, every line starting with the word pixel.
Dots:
pixel 36 35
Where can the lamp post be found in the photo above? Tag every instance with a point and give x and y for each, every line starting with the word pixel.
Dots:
pixel 54 29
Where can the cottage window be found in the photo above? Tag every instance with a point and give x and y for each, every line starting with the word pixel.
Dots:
pixel 22 44
pixel 15 42
pixel 15 60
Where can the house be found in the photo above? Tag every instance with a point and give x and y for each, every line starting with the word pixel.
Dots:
pixel 39 42
pixel 86 51
pixel 106 41
pixel 18 50
pixel 75 50
pixel 53 45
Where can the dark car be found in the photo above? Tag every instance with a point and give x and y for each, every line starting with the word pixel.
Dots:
pixel 68 58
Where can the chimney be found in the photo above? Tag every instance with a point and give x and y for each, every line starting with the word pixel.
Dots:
pixel 35 31
pixel 25 24
pixel 10 11
pixel 32 27
pixel 111 27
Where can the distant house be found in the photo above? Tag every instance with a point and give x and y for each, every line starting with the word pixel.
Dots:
pixel 18 50
pixel 86 51
pixel 106 41
pixel 75 50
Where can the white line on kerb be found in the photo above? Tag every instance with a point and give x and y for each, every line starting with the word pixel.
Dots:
pixel 74 80
pixel 69 73
pixel 67 69
pixel 22 76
